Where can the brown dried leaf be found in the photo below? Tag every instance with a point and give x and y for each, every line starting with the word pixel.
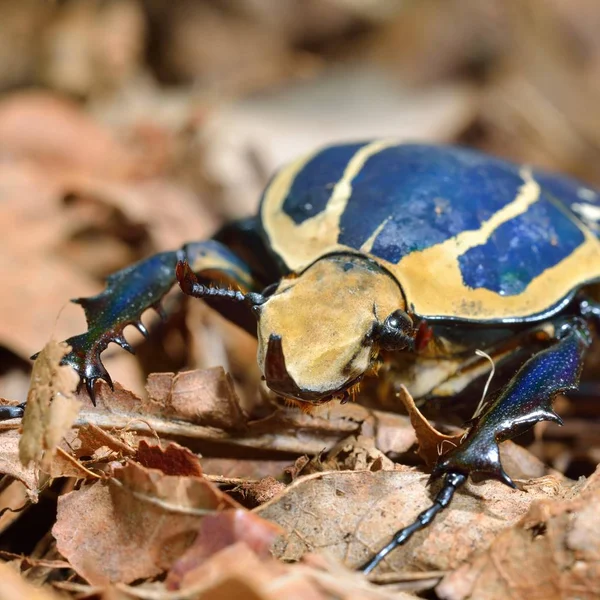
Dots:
pixel 51 406
pixel 135 525
pixel 255 493
pixel 432 443
pixel 352 514
pixel 91 438
pixel 284 430
pixel 217 532
pixel 205 397
pixel 56 133
pixel 238 570
pixel 65 465
pixel 11 465
pixel 172 460
pixel 552 553
pixel 14 587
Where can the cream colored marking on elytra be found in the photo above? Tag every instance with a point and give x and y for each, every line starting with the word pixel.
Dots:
pixel 300 244
pixel 368 245
pixel 529 193
pixel 433 283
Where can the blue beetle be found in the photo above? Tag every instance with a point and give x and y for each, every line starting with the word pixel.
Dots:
pixel 418 253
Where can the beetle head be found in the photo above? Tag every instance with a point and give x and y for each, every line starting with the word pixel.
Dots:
pixel 318 333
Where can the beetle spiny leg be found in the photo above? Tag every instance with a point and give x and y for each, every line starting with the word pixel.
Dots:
pixel 141 328
pixel 159 308
pixel 452 481
pixel 120 339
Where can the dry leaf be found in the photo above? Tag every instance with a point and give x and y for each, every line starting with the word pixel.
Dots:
pixel 255 493
pixel 51 406
pixel 205 397
pixel 238 570
pixel 552 553
pixel 432 443
pixel 217 532
pixel 352 514
pixel 11 465
pixel 284 430
pixel 171 460
pixel 90 439
pixel 57 134
pixel 135 525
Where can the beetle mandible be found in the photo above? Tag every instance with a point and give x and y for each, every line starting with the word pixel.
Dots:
pixel 421 251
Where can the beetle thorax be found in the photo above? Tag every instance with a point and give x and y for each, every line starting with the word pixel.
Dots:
pixel 316 332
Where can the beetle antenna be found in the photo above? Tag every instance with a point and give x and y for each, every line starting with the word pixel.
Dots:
pixel 190 285
pixel 452 481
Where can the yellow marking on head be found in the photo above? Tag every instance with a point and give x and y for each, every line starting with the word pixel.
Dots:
pixel 324 318
pixel 299 244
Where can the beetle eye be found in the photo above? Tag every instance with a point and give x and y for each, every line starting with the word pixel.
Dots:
pixel 396 332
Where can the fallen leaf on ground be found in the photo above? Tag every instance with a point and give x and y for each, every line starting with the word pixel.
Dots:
pixel 552 553
pixel 219 531
pixel 287 430
pixel 135 525
pixel 352 514
pixel 55 132
pixel 238 570
pixel 205 397
pixel 90 438
pixel 171 460
pixel 11 465
pixel 51 406
pixel 255 493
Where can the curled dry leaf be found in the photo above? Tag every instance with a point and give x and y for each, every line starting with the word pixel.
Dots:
pixel 219 531
pixel 518 462
pixel 351 514
pixel 135 525
pixel 432 443
pixel 51 406
pixel 552 553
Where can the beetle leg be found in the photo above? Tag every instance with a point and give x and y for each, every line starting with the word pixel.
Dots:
pixel 133 290
pixel 525 400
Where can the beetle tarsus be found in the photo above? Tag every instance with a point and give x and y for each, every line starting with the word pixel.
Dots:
pixel 452 481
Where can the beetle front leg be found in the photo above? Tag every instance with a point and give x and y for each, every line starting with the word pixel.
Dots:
pixel 526 400
pixel 133 290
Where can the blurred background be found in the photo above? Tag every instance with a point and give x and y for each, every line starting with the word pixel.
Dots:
pixel 132 126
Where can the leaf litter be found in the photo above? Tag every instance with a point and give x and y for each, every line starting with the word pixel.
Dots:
pixel 163 493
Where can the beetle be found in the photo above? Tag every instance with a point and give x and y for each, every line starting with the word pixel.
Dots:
pixel 419 253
